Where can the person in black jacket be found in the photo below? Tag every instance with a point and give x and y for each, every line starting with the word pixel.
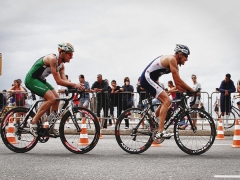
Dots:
pixel 114 99
pixel 101 88
pixel 127 90
pixel 226 88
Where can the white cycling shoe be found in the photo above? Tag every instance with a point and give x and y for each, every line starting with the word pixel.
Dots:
pixel 163 134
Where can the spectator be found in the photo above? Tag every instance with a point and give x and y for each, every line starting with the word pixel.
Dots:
pixel 217 103
pixel 108 93
pixel 3 100
pixel 172 90
pixel 101 88
pixel 133 101
pixel 93 103
pixel 195 87
pixel 114 99
pixel 238 90
pixel 17 92
pixel 226 88
pixel 142 95
pixel 85 99
pixel 238 86
pixel 182 124
pixel 25 94
pixel 5 94
pixel 127 90
pixel 62 94
pixel 201 107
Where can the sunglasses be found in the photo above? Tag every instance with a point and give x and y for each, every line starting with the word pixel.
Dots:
pixel 185 55
pixel 193 77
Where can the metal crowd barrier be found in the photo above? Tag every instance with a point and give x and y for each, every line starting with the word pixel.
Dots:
pixel 100 102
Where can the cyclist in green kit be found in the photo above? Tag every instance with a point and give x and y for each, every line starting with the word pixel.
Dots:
pixel 36 82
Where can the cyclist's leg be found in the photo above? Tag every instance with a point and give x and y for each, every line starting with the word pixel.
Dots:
pixel 43 89
pixel 56 102
pixel 162 111
pixel 49 101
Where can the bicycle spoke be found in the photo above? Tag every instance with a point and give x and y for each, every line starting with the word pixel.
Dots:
pixel 198 141
pixel 15 138
pixel 84 141
pixel 129 140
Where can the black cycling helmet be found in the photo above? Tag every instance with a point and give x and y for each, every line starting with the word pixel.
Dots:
pixel 182 48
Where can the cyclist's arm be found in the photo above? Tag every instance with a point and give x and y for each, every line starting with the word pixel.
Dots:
pixel 174 89
pixel 56 74
pixel 180 84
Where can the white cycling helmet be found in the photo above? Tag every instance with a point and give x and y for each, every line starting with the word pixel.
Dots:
pixel 65 47
pixel 182 48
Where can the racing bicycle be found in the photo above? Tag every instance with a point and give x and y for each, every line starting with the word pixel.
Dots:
pixel 17 137
pixel 192 141
pixel 231 118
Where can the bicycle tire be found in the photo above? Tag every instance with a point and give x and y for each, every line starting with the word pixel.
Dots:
pixel 71 139
pixel 200 141
pixel 125 139
pixel 16 141
pixel 231 120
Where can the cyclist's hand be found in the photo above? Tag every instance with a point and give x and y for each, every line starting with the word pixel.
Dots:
pixel 80 87
pixel 189 93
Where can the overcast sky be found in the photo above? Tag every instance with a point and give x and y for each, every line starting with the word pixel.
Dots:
pixel 119 38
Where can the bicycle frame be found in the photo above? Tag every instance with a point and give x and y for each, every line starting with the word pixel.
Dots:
pixel 148 112
pixel 61 112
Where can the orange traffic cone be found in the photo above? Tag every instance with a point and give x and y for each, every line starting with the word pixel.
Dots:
pixel 10 132
pixel 220 133
pixel 156 144
pixel 83 140
pixel 236 136
pixel 45 125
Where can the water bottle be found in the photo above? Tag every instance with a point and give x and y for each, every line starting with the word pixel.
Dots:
pixel 51 116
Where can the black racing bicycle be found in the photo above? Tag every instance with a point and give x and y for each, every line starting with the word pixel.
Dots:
pixel 231 118
pixel 193 141
pixel 77 137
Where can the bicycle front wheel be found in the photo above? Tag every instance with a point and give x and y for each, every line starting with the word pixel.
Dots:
pixel 130 138
pixel 194 142
pixel 75 141
pixel 15 133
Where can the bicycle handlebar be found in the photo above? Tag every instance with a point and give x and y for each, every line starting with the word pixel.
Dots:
pixel 194 94
pixel 73 91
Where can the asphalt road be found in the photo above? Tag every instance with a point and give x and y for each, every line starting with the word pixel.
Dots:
pixel 108 161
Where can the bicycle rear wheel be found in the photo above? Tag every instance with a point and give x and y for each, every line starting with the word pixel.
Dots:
pixel 17 139
pixel 84 141
pixel 229 120
pixel 133 140
pixel 199 141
